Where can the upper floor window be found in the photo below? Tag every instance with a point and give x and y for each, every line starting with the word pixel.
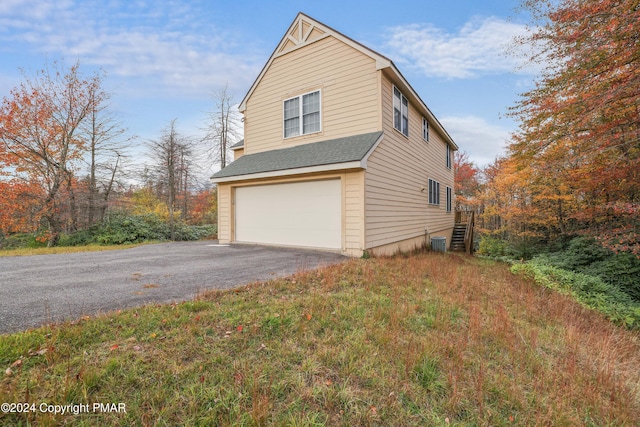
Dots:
pixel 425 129
pixel 434 192
pixel 302 114
pixel 448 160
pixel 400 112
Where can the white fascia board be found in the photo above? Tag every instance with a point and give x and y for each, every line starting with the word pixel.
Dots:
pixel 358 164
pixel 371 150
pixel 382 63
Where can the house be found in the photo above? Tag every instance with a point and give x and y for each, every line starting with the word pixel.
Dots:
pixel 339 153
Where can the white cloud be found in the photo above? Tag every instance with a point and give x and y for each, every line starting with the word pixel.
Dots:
pixel 27 9
pixel 478 48
pixel 165 45
pixel 483 141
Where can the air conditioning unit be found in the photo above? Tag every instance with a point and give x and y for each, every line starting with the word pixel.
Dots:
pixel 439 244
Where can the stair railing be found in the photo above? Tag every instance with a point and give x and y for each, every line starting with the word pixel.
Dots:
pixel 468 233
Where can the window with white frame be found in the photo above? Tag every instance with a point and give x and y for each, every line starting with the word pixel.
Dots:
pixel 400 112
pixel 449 199
pixel 448 160
pixel 434 192
pixel 302 114
pixel 425 129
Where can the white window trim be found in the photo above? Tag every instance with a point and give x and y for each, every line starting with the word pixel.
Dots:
pixel 425 129
pixel 300 115
pixel 448 160
pixel 435 192
pixel 449 199
pixel 393 116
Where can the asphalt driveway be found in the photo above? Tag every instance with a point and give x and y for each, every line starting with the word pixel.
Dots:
pixel 39 289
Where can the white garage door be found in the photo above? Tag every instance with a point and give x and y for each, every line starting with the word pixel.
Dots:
pixel 294 214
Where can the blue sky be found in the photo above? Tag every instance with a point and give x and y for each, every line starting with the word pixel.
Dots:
pixel 165 58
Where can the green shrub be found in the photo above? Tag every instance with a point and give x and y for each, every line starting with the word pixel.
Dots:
pixel 492 246
pixel 586 255
pixel 621 270
pixel 122 229
pixel 524 248
pixel 194 232
pixel 22 240
pixel 79 238
pixel 581 252
pixel 590 291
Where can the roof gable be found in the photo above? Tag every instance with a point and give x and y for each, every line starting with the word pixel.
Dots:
pixel 305 30
pixel 302 32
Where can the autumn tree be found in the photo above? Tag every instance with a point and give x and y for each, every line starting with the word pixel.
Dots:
pixel 205 207
pixel 106 141
pixel 39 123
pixel 171 155
pixel 145 201
pixel 507 200
pixel 18 200
pixel 466 183
pixel 578 145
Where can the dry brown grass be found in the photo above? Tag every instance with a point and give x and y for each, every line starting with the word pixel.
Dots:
pixel 64 249
pixel 427 339
pixel 547 353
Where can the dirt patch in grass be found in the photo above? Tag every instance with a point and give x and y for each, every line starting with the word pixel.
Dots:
pixel 428 339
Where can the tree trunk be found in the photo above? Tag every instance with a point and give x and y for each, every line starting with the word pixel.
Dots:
pixel 73 210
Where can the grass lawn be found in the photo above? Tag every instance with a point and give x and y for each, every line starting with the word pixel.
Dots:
pixel 428 339
pixel 64 249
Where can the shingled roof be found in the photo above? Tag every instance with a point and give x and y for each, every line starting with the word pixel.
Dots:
pixel 331 152
pixel 239 144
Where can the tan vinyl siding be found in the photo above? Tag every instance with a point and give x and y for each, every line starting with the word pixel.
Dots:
pixel 346 78
pixel 224 213
pixel 397 207
pixel 354 212
pixel 385 208
pixel 237 153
